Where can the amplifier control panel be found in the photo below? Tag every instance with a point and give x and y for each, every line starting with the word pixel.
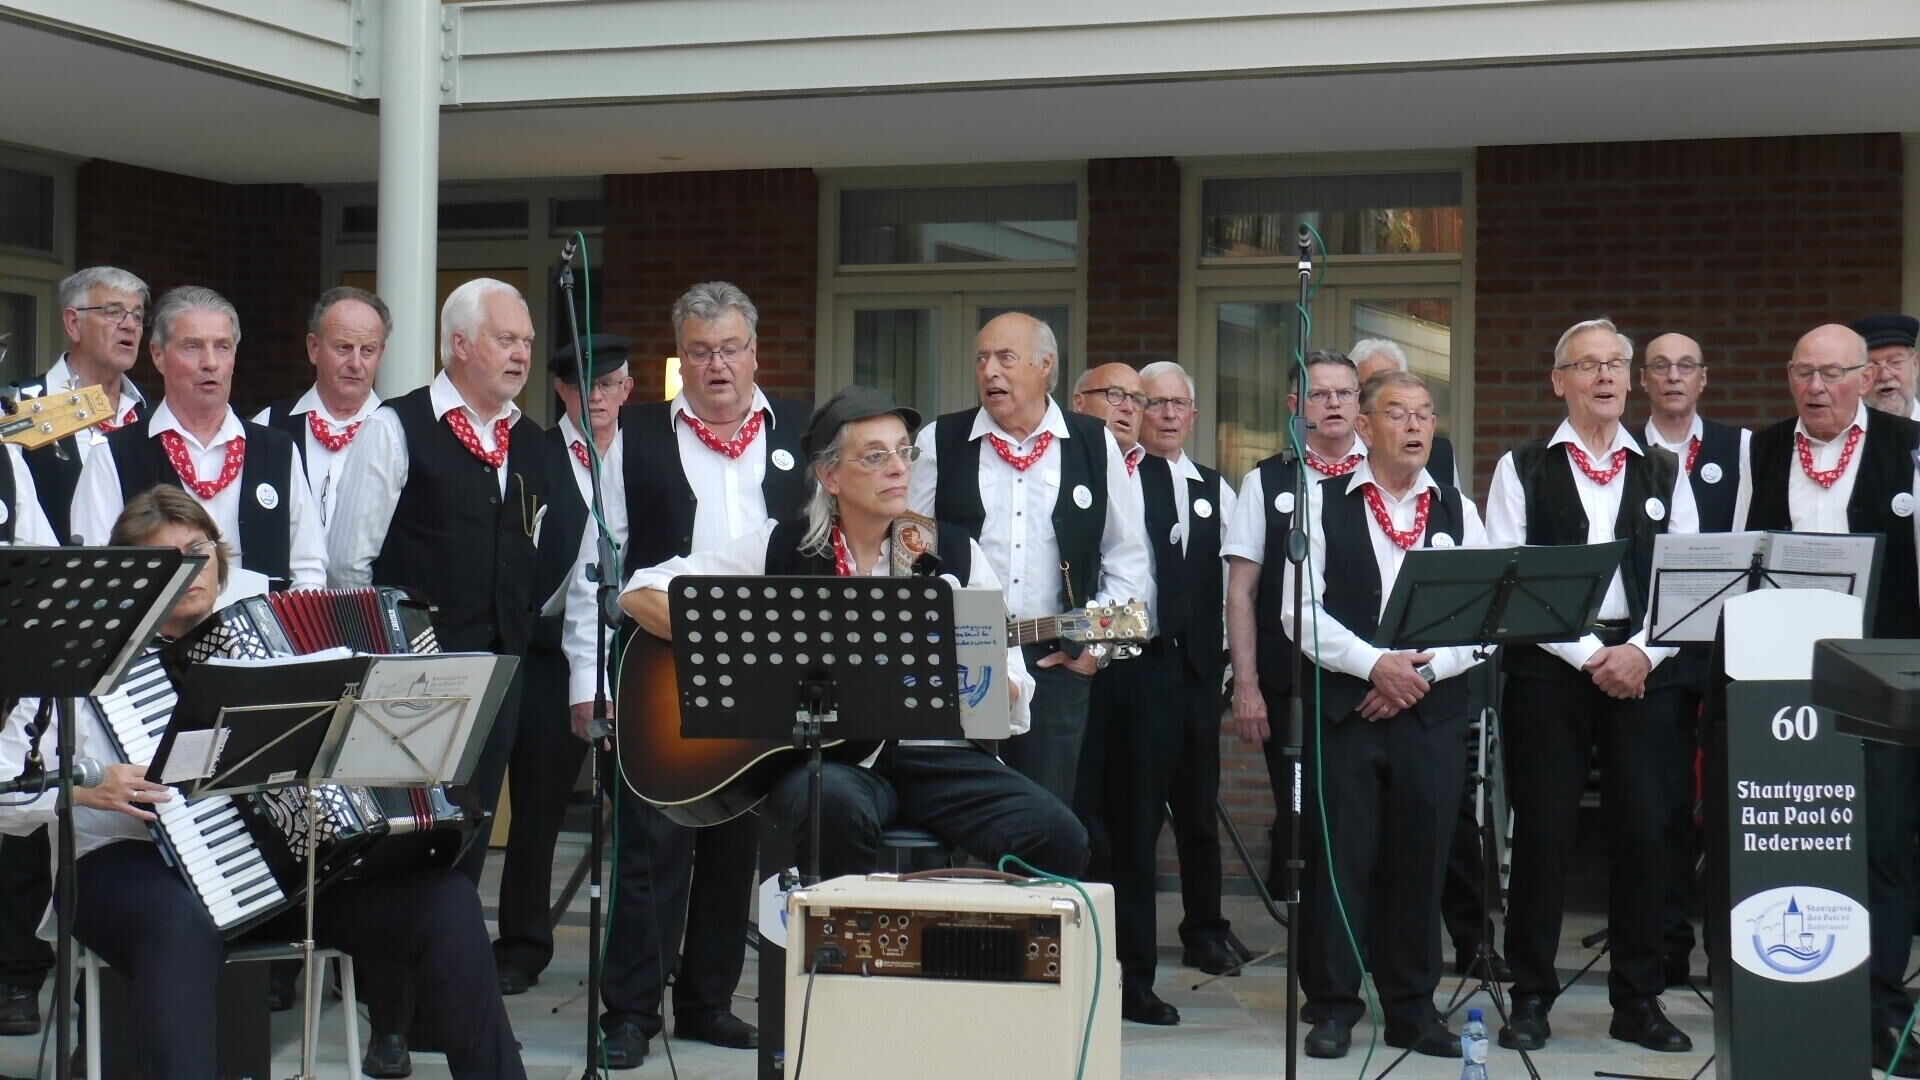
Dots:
pixel 931 944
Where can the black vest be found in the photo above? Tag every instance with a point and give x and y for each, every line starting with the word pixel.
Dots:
pixel 56 468
pixel 1353 593
pixel 1555 516
pixel 1076 529
pixel 266 535
pixel 1885 470
pixel 952 546
pixel 1171 604
pixel 7 501
pixel 281 417
pixel 455 539
pixel 560 533
pixel 1275 652
pixel 1200 581
pixel 1440 463
pixel 1719 445
pixel 660 504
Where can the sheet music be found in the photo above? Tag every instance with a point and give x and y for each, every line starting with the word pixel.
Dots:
pixel 417 738
pixel 1820 561
pixel 1694 575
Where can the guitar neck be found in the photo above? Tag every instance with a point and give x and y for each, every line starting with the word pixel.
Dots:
pixel 1033 631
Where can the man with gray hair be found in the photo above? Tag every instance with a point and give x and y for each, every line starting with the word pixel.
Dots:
pixel 1371 356
pixel 346 338
pixel 246 475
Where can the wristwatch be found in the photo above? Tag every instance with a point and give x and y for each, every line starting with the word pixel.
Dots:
pixel 1425 671
pixel 1102 656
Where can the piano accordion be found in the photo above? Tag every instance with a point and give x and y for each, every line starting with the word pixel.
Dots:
pixel 225 845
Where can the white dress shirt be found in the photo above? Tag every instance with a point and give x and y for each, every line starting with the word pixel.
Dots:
pixel 1507 527
pixel 727 503
pixel 375 473
pixel 747 555
pixel 61 377
pixel 323 465
pixel 21 814
pixel 1339 648
pixel 1811 507
pixel 30 524
pixel 1685 507
pixel 98 500
pixel 610 459
pixel 1246 526
pixel 1017 534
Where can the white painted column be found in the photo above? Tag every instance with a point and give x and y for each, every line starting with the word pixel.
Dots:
pixel 1910 223
pixel 410 75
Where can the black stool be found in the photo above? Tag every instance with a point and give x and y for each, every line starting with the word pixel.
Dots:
pixel 906 844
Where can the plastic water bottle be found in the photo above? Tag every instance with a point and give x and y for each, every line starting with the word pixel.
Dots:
pixel 1473 1047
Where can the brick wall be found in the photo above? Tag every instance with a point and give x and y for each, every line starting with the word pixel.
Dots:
pixel 1743 244
pixel 1133 260
pixel 256 244
pixel 757 229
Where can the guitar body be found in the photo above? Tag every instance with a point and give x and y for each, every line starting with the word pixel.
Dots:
pixel 694 781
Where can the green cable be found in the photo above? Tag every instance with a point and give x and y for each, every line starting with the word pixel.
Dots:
pixel 1093 916
pixel 1901 1046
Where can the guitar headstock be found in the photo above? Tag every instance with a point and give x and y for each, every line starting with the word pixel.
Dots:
pixel 1106 622
pixel 35 422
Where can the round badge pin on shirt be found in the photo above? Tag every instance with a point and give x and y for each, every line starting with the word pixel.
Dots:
pixel 266 496
pixel 3 512
pixel 1203 508
pixel 1283 502
pixel 1082 498
pixel 782 460
pixel 1656 509
pixel 1441 540
pixel 1903 504
pixel 1710 472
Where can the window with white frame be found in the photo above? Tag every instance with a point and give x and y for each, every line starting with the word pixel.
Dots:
pixel 36 251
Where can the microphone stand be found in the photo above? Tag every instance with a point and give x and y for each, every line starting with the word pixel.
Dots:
pixel 604 572
pixel 1296 721
pixel 63 900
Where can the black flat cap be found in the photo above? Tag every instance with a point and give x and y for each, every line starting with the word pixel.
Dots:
pixel 843 408
pixel 608 351
pixel 1887 330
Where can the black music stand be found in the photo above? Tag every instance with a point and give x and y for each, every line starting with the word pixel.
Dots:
pixel 392 721
pixel 1486 597
pixel 72 620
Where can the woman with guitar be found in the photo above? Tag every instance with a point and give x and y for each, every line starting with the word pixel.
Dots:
pixel 859 447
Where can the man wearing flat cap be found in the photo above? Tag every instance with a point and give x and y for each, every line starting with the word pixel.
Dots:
pixel 546 756
pixel 859 452
pixel 1891 363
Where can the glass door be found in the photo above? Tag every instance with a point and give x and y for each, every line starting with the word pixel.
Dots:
pixel 1421 323
pixel 919 346
pixel 1249 338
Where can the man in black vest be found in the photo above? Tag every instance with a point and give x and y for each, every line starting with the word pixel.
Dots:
pixel 1204 505
pixel 246 475
pixel 1047 496
pixel 346 337
pixel 1842 467
pixel 1710 456
pixel 1590 483
pixel 696 473
pixel 435 498
pixel 1134 712
pixel 1892 364
pixel 546 756
pixel 1391 735
pixel 1263 515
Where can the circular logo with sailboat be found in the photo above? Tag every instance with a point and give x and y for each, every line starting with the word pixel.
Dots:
pixel 1799 933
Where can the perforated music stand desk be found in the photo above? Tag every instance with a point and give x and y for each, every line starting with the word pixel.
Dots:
pixel 1497 596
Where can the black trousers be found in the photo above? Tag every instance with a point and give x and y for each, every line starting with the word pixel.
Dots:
pixel 1683 837
pixel 1391 788
pixel 690 889
pixel 1049 754
pixel 1134 722
pixel 546 760
pixel 1280 837
pixel 139 915
pixel 962 794
pixel 1463 891
pixel 1193 798
pixel 26 884
pixel 1552 724
pixel 1893 816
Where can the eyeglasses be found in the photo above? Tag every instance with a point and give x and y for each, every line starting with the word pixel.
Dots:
pixel 1587 369
pixel 1115 395
pixel 875 460
pixel 1323 397
pixel 726 354
pixel 1829 373
pixel 1893 361
pixel 115 314
pixel 609 386
pixel 200 547
pixel 1398 415
pixel 1683 368
pixel 1173 405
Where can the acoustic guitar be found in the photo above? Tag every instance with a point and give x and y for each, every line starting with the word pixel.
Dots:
pixel 710 781
pixel 31 423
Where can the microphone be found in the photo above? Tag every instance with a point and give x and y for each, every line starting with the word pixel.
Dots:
pixel 86 772
pixel 567 249
pixel 1306 244
pixel 927 565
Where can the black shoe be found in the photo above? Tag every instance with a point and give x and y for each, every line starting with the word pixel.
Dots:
pixel 1211 955
pixel 1644 1022
pixel 1329 1039
pixel 1239 947
pixel 1463 963
pixel 19 1010
pixel 1527 1027
pixel 720 1029
pixel 515 980
pixel 1431 1038
pixel 625 1047
pixel 1885 1040
pixel 387 1058
pixel 1142 1006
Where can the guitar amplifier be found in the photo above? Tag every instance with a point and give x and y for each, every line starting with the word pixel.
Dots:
pixel 945 979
